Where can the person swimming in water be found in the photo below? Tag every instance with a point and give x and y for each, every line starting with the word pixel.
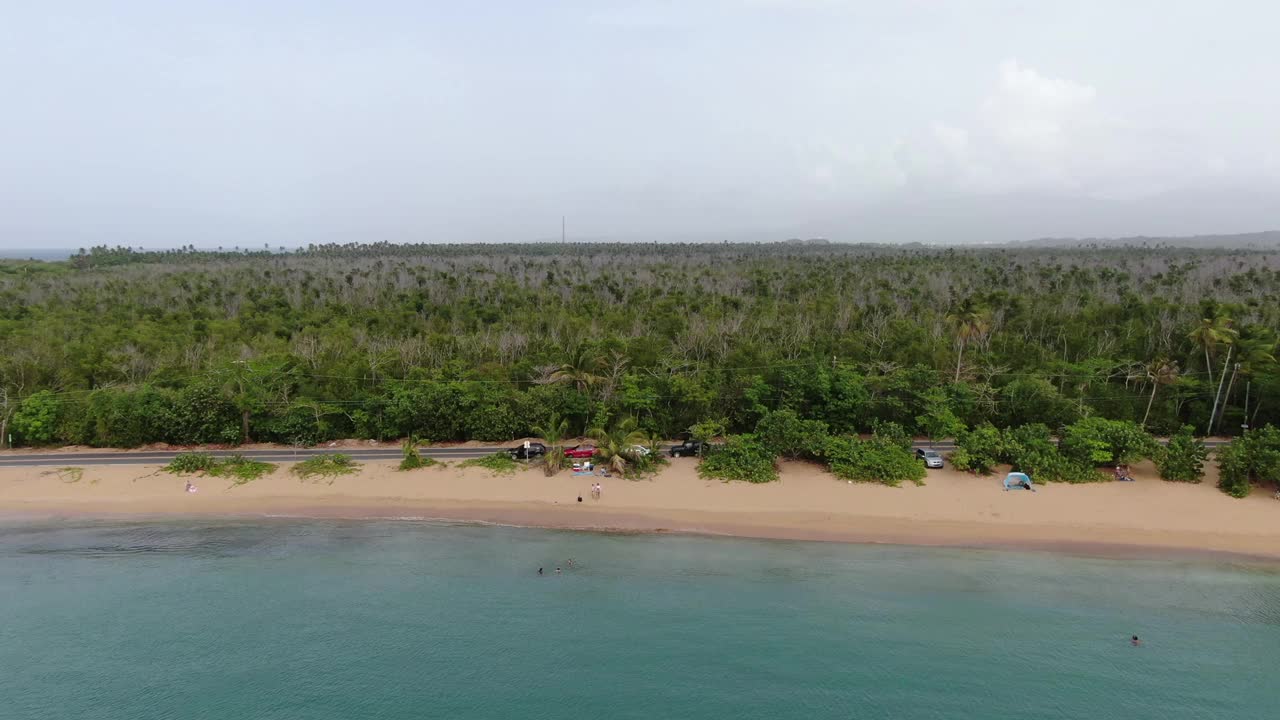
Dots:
pixel 1135 641
pixel 557 571
pixel 539 571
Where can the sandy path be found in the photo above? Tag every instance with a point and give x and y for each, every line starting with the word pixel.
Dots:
pixel 952 509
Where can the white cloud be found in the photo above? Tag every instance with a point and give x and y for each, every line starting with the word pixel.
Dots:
pixel 1034 132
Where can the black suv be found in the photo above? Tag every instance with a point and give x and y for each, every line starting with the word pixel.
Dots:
pixel 686 448
pixel 535 449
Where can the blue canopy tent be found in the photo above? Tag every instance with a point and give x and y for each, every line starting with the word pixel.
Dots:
pixel 1018 480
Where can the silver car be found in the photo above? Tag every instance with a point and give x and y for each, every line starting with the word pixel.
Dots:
pixel 931 458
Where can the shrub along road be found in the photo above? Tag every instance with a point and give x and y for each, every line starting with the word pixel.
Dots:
pixel 163 457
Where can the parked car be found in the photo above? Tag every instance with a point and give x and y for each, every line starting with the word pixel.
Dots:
pixel 638 450
pixel 931 458
pixel 535 449
pixel 686 448
pixel 580 451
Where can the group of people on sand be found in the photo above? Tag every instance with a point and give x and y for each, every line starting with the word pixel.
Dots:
pixel 558 570
pixel 596 488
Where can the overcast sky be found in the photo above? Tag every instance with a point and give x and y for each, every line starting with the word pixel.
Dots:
pixel 238 122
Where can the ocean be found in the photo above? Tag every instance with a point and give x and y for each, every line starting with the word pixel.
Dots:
pixel 415 619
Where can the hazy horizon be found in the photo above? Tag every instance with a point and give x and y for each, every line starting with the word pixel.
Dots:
pixel 158 125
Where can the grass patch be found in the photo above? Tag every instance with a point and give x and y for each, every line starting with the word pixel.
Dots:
pixel 67 475
pixel 192 462
pixel 238 468
pixel 243 470
pixel 501 463
pixel 329 465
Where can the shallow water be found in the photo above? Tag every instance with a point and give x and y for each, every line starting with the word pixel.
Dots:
pixel 324 619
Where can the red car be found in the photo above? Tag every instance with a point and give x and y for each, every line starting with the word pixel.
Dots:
pixel 580 451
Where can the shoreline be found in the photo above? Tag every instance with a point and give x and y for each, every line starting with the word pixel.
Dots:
pixel 1149 518
pixel 845 529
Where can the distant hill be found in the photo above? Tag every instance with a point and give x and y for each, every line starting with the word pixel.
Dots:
pixel 1269 239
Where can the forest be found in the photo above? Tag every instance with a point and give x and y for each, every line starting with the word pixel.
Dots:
pixel 120 347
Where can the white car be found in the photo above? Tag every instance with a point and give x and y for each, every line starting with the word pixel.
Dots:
pixel 640 450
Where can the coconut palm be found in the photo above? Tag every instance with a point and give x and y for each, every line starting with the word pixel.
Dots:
pixel 553 434
pixel 1161 371
pixel 615 445
pixel 410 456
pixel 969 323
pixel 1208 335
pixel 1218 332
pixel 581 369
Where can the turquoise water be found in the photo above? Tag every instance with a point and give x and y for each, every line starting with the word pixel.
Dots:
pixel 319 619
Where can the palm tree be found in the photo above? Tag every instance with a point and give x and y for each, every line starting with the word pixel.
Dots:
pixel 581 369
pixel 1218 332
pixel 410 458
pixel 1208 335
pixel 553 434
pixel 615 445
pixel 969 323
pixel 1161 371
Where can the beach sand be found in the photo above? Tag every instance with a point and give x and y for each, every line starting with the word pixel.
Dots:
pixel 952 509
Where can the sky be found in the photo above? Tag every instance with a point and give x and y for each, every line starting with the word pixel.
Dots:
pixel 240 123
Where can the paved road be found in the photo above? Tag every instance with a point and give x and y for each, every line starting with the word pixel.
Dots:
pixel 161 457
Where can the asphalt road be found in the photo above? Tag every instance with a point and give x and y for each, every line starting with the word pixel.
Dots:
pixel 162 457
pixel 159 457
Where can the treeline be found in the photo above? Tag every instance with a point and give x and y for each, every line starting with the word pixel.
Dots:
pixel 119 347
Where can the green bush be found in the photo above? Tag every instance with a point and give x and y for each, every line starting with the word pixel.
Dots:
pixel 1233 470
pixel 1098 441
pixel 879 459
pixel 741 457
pixel 1030 449
pixel 190 462
pixel 412 458
pixel 1254 456
pixel 977 450
pixel 237 467
pixel 1182 460
pixel 36 420
pixel 892 432
pixel 785 434
pixel 500 462
pixel 242 469
pixel 1263 447
pixel 939 419
pixel 328 465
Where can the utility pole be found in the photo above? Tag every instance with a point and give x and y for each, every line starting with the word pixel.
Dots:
pixel 561 229
pixel 1245 425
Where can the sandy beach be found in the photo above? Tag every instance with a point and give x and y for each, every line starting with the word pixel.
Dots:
pixel 956 509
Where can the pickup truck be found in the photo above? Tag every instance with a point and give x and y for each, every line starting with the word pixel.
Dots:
pixel 686 449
